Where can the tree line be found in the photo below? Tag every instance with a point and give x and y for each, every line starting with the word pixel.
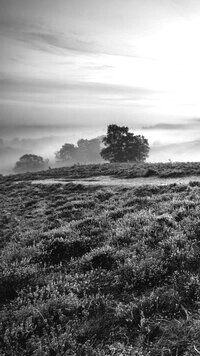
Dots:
pixel 119 145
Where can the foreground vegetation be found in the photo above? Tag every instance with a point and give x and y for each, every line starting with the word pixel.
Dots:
pixel 99 271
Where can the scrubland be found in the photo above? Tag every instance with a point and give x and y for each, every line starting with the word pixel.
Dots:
pixel 97 271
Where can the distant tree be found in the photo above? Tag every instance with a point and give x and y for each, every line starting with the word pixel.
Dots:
pixel 67 153
pixel 30 163
pixel 86 151
pixel 124 146
pixel 89 150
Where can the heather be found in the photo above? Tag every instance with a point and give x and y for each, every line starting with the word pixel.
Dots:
pixel 118 170
pixel 100 270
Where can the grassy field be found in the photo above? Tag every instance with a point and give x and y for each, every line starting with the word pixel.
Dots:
pixel 122 170
pixel 97 271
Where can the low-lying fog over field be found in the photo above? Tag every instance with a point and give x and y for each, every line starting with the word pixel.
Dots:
pixel 40 140
pixel 167 142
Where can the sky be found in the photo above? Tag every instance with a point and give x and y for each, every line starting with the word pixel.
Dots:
pixel 74 66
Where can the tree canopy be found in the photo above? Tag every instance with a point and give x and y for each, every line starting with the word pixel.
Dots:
pixel 86 151
pixel 66 153
pixel 30 163
pixel 123 146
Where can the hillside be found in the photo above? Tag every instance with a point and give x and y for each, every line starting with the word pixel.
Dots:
pixel 123 170
pixel 99 271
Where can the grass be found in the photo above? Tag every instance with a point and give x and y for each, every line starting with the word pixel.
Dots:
pixel 121 170
pixel 95 271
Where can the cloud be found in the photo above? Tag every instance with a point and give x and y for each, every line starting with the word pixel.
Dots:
pixel 23 85
pixel 97 67
pixel 196 120
pixel 165 126
pixel 46 38
pixel 51 41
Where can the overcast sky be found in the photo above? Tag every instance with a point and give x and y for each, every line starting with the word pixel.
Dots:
pixel 93 62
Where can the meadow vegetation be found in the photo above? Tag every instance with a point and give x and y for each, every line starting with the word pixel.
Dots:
pixel 120 170
pixel 97 271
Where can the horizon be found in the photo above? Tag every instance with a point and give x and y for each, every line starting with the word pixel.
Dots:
pixel 12 148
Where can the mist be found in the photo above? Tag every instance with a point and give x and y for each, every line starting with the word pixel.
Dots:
pixel 40 140
pixel 167 142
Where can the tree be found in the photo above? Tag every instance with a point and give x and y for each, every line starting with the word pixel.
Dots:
pixel 30 163
pixel 124 146
pixel 67 153
pixel 89 150
pixel 86 151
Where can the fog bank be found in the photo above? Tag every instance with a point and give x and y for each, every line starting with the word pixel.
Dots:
pixel 167 142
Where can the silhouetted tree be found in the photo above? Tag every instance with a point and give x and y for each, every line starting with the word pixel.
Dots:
pixel 30 163
pixel 124 146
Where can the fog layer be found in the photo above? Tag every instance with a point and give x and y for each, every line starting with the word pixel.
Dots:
pixel 177 143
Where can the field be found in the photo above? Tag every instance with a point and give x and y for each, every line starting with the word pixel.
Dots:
pixel 97 271
pixel 120 170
